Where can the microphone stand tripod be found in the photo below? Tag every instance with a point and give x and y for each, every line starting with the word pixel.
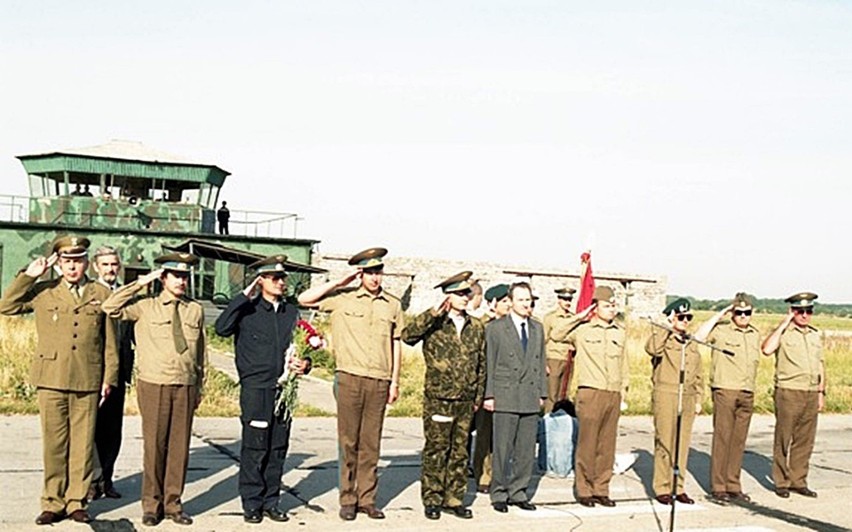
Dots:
pixel 686 338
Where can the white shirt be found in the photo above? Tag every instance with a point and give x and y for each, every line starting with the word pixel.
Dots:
pixel 517 320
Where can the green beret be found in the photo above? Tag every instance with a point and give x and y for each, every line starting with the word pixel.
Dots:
pixel 680 305
pixel 802 299
pixel 177 262
pixel 71 247
pixel 369 258
pixel 273 264
pixel 604 293
pixel 457 283
pixel 498 292
pixel 741 301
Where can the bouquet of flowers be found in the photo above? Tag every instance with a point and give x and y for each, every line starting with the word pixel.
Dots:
pixel 305 339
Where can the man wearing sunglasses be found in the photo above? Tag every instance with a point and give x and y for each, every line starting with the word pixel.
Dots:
pixel 732 380
pixel 799 394
pixel 665 348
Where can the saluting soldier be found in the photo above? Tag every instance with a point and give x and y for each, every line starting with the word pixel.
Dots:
pixel 602 370
pixel 454 352
pixel 799 394
pixel 665 348
pixel 557 353
pixel 75 363
pixel 732 381
pixel 262 322
pixel 170 355
pixel 366 323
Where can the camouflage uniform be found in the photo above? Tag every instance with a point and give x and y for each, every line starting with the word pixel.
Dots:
pixel 455 383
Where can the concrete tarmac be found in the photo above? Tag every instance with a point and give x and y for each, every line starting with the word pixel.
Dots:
pixel 310 493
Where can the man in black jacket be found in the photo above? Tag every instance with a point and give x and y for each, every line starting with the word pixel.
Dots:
pixel 262 322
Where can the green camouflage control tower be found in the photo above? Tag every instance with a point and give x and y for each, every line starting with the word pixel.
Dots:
pixel 143 202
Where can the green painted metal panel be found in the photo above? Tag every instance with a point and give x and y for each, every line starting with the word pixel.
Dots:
pixel 120 214
pixel 93 165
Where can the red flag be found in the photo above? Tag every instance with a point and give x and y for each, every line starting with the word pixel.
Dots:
pixel 587 282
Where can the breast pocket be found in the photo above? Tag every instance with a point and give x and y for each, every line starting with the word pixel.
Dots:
pixel 161 328
pixel 192 331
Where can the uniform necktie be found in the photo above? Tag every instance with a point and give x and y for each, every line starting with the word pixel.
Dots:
pixel 177 330
pixel 524 339
pixel 75 292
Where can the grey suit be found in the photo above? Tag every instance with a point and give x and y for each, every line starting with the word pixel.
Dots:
pixel 516 381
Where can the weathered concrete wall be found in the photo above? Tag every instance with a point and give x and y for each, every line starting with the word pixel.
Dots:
pixel 413 280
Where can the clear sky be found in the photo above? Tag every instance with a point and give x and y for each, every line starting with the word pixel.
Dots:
pixel 707 141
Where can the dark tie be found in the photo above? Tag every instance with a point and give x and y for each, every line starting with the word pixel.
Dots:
pixel 524 339
pixel 177 329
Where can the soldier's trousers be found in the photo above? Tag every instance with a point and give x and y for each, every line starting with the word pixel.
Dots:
pixel 597 414
pixel 732 411
pixel 796 413
pixel 361 403
pixel 665 425
pixel 264 448
pixel 557 369
pixel 68 433
pixel 446 424
pixel 167 412
pixel 108 434
pixel 483 420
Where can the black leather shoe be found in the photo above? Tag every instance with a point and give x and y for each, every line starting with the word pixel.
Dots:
pixel 459 511
pixel 432 512
pixel 149 519
pixel 683 498
pixel 805 492
pixel 275 514
pixel 80 516
pixel 180 518
pixel 738 496
pixel 483 488
pixel 48 518
pixel 372 512
pixel 784 493
pixel 588 502
pixel 252 516
pixel 110 493
pixel 720 496
pixel 524 505
pixel 347 512
pixel 665 498
pixel 604 501
pixel 501 507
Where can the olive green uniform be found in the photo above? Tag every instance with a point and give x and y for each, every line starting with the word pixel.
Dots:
pixel 732 380
pixel 454 385
pixel 665 351
pixel 76 354
pixel 798 363
pixel 556 353
pixel 167 386
pixel 363 329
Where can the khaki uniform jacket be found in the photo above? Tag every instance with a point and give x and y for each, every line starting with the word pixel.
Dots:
pixel 555 348
pixel 665 351
pixel 798 359
pixel 601 360
pixel 77 348
pixel 736 372
pixel 157 360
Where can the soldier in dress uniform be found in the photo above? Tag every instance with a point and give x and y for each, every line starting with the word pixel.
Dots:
pixel 665 348
pixel 732 381
pixel 171 354
pixel 454 352
pixel 602 380
pixel 366 323
pixel 262 321
pixel 75 363
pixel 557 353
pixel 799 394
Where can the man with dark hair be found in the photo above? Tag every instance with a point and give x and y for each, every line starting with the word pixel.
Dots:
pixel 515 390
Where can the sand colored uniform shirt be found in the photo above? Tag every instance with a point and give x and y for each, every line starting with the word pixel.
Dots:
pixel 600 361
pixel 665 351
pixel 363 327
pixel 554 348
pixel 736 372
pixel 798 359
pixel 157 359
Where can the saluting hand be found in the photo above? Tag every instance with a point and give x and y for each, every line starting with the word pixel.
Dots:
pixel 146 279
pixel 587 311
pixel 37 267
pixel 252 290
pixel 443 307
pixel 351 276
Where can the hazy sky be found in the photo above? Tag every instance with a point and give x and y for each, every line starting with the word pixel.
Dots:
pixel 707 141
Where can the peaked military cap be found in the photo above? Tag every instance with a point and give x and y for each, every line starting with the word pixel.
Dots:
pixel 498 292
pixel 680 305
pixel 604 293
pixel 71 247
pixel 802 299
pixel 273 264
pixel 369 258
pixel 741 301
pixel 177 262
pixel 457 283
pixel 565 292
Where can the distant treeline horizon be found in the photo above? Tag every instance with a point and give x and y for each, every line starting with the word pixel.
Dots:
pixel 776 306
